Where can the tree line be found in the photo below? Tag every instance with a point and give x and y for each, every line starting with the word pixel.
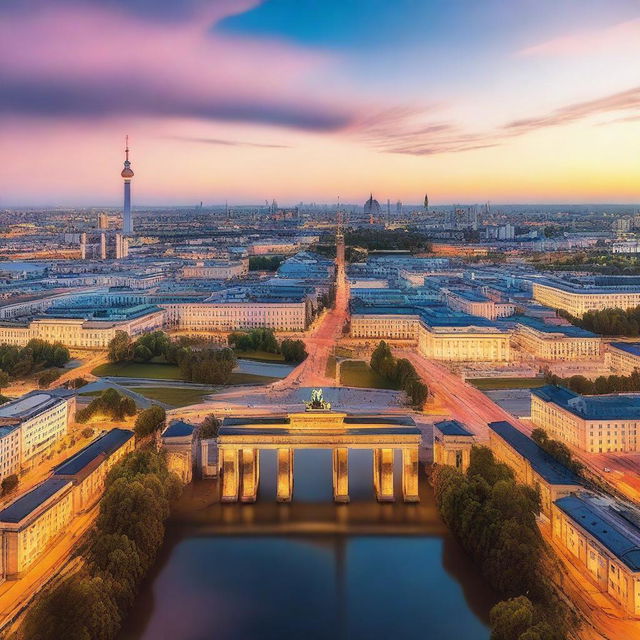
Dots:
pixel 400 372
pixel 92 603
pixel 494 519
pixel 599 386
pixel 18 362
pixel 196 360
pixel 110 404
pixel 608 322
pixel 388 239
pixel 557 450
pixel 264 339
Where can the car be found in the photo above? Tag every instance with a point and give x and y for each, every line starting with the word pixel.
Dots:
pixel 607 470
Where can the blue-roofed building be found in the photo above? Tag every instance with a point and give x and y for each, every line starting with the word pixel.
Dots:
pixel 177 441
pixel 554 342
pixel 30 523
pixel 88 468
pixel 532 465
pixel 597 424
pixel 603 535
pixel 623 358
pixel 452 443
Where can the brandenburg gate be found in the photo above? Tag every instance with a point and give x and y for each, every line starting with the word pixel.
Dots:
pixel 241 438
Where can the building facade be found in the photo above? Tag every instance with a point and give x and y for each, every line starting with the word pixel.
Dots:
pixel 452 444
pixel 596 424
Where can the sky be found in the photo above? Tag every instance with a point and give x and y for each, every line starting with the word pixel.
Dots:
pixel 309 100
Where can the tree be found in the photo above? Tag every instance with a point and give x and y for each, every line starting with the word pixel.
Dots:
pixel 293 350
pixel 119 348
pixel 509 619
pixel 209 427
pixel 9 484
pixel 4 379
pixel 149 421
pixel 79 608
pixel 141 353
pixel 48 377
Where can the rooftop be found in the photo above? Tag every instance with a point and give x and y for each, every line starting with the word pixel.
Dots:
pixel 452 428
pixel 178 429
pixel 20 508
pixel 610 523
pixel 545 465
pixel 29 405
pixel 629 347
pixel 605 407
pixel 105 445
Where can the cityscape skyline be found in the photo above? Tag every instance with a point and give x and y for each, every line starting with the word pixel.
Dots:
pixel 245 101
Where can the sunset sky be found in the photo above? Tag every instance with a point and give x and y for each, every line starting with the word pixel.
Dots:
pixel 242 100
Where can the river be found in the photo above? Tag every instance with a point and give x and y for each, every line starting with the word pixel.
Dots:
pixel 311 569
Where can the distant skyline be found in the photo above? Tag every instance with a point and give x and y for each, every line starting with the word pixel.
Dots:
pixel 246 101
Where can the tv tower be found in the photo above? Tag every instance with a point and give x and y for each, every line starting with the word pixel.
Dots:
pixel 127 174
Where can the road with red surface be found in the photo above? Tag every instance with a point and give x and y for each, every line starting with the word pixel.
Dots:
pixel 469 405
pixel 320 344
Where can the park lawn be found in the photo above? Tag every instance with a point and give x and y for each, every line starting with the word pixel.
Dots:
pixel 330 370
pixel 357 373
pixel 250 378
pixel 259 356
pixel 138 370
pixel 494 384
pixel 175 396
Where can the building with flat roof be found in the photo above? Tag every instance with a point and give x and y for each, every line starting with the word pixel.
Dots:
pixel 31 523
pixel 597 424
pixel 603 535
pixel 578 298
pixel 531 464
pixel 177 441
pixel 41 417
pixel 623 358
pixel 554 342
pixel 88 468
pixel 452 443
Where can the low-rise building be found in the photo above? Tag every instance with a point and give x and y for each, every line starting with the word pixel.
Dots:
pixel 32 522
pixel 577 299
pixel 596 424
pixel 41 417
pixel 470 302
pixel 216 269
pixel 177 441
pixel 553 342
pixel 604 537
pixel 531 464
pixel 88 468
pixel 452 443
pixel 623 358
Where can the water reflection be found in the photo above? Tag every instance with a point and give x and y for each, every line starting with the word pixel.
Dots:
pixel 310 569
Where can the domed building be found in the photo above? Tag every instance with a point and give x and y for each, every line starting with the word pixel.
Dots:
pixel 372 210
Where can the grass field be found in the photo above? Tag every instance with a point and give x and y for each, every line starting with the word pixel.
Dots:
pixel 357 373
pixel 166 372
pixel 330 371
pixel 260 356
pixel 138 370
pixel 250 378
pixel 175 396
pixel 493 384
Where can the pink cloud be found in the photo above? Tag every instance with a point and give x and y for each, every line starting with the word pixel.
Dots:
pixel 619 37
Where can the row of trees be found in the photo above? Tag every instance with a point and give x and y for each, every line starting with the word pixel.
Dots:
pixel 110 404
pixel 494 519
pixel 557 450
pixel 207 366
pixel 599 386
pixel 261 339
pixel 264 339
pixel 608 322
pixel 400 372
pixel 17 362
pixel 91 603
